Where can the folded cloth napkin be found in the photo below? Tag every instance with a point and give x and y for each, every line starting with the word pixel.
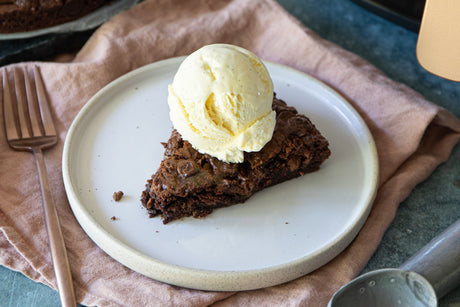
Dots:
pixel 413 137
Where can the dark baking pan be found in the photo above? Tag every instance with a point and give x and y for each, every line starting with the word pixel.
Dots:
pixel 407 13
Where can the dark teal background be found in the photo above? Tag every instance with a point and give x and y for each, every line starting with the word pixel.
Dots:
pixel 432 206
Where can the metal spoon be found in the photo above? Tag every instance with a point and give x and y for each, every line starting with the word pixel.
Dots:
pixel 420 281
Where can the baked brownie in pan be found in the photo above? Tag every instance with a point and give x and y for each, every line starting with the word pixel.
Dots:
pixel 189 183
pixel 28 15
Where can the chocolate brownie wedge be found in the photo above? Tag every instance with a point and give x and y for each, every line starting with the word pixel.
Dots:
pixel 189 183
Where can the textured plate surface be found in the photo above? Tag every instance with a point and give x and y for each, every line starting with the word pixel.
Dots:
pixel 280 234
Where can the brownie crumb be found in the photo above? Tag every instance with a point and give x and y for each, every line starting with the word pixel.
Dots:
pixel 117 195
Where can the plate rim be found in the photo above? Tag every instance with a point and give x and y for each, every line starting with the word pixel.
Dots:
pixel 203 279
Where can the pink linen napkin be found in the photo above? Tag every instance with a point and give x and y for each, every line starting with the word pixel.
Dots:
pixel 413 137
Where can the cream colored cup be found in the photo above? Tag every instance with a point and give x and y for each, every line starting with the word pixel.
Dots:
pixel 438 45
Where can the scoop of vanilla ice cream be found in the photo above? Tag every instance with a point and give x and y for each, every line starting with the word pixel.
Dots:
pixel 221 102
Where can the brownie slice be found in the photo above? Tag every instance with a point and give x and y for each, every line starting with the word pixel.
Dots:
pixel 189 183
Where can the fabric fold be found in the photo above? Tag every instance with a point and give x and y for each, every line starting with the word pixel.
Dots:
pixel 413 137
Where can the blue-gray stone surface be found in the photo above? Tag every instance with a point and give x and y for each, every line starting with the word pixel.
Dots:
pixel 432 206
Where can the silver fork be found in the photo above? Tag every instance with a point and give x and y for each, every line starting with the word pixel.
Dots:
pixel 29 126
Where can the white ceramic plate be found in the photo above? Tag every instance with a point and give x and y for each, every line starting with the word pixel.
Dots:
pixel 281 233
pixel 89 21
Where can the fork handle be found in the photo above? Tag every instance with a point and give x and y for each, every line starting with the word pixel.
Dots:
pixel 58 250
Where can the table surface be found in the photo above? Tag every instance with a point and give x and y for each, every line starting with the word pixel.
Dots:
pixel 431 207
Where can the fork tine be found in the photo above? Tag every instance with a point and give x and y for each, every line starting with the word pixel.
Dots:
pixel 44 106
pixel 33 114
pixel 23 122
pixel 8 113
